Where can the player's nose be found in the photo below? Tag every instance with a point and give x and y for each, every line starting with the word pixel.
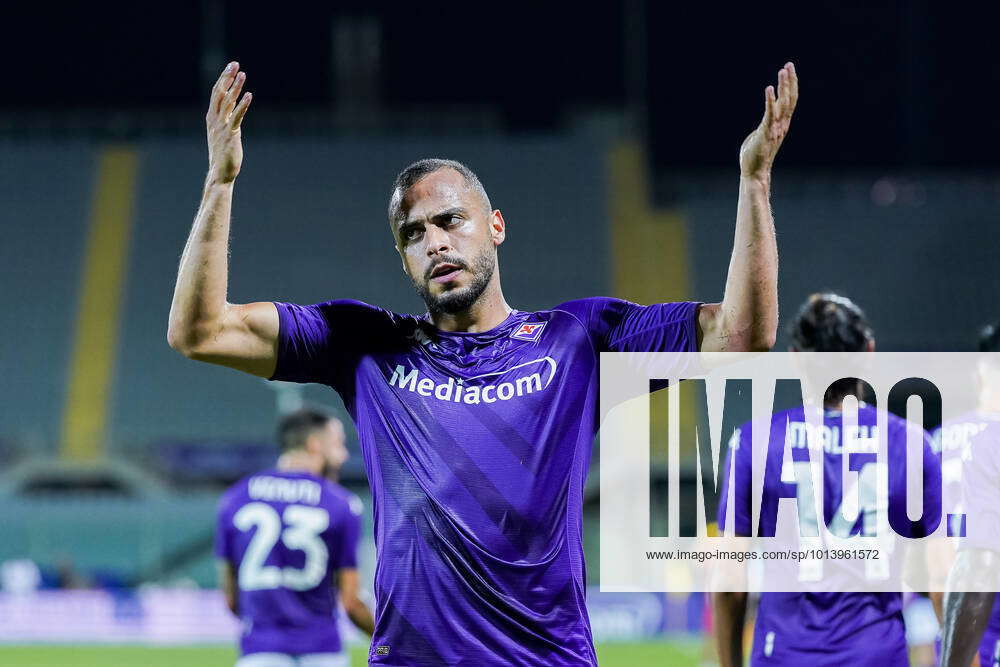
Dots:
pixel 437 241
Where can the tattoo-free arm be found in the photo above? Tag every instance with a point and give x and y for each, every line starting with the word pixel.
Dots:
pixel 230 590
pixel 967 610
pixel 747 318
pixel 729 615
pixel 203 325
pixel 357 610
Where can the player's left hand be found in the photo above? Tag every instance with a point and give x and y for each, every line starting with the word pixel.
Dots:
pixel 758 150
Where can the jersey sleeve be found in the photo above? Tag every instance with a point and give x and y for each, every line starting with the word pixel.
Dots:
pixel 615 325
pixel 323 342
pixel 346 536
pixel 981 496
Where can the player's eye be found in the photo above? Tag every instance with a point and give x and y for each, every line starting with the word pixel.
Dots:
pixel 412 233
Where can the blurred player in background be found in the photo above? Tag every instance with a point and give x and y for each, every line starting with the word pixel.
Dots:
pixel 477 420
pixel 822 628
pixel 970 449
pixel 286 542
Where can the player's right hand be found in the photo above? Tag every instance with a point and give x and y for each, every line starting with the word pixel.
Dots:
pixel 225 148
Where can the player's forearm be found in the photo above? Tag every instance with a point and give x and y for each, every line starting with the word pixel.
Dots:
pixel 937 602
pixel 361 616
pixel 728 616
pixel 227 582
pixel 749 314
pixel 199 300
pixel 966 616
pixel 967 605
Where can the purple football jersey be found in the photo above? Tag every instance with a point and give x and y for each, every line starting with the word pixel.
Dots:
pixel 477 446
pixel 827 627
pixel 970 453
pixel 287 533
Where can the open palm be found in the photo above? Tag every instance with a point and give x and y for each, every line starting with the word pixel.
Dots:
pixel 225 114
pixel 759 149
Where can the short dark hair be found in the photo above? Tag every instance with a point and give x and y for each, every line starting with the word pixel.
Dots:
pixel 413 173
pixel 296 427
pixel 829 322
pixel 989 338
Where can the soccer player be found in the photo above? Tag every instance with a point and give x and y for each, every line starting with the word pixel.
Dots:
pixel 477 420
pixel 969 447
pixel 822 628
pixel 286 542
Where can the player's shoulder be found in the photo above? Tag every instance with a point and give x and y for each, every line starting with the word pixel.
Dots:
pixel 978 438
pixel 364 313
pixel 743 433
pixel 604 314
pixel 895 425
pixel 588 313
pixel 897 429
pixel 951 433
pixel 235 493
pixel 342 314
pixel 241 485
pixel 342 499
pixel 591 307
pixel 972 422
pixel 778 418
pixel 570 316
pixel 869 414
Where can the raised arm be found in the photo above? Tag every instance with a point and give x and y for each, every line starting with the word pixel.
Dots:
pixel 203 324
pixel 747 318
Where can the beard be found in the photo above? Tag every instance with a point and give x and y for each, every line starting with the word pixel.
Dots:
pixel 459 299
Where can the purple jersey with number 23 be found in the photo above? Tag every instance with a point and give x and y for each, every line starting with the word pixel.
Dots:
pixel 477 447
pixel 287 533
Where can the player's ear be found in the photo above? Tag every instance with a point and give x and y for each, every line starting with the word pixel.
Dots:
pixel 314 444
pixel 402 260
pixel 498 228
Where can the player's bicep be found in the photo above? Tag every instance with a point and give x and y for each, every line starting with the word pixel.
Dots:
pixel 246 339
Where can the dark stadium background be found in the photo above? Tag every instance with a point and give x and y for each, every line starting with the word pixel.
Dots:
pixel 587 123
pixel 890 84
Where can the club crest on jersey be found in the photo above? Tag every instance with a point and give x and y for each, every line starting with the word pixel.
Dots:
pixel 528 331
